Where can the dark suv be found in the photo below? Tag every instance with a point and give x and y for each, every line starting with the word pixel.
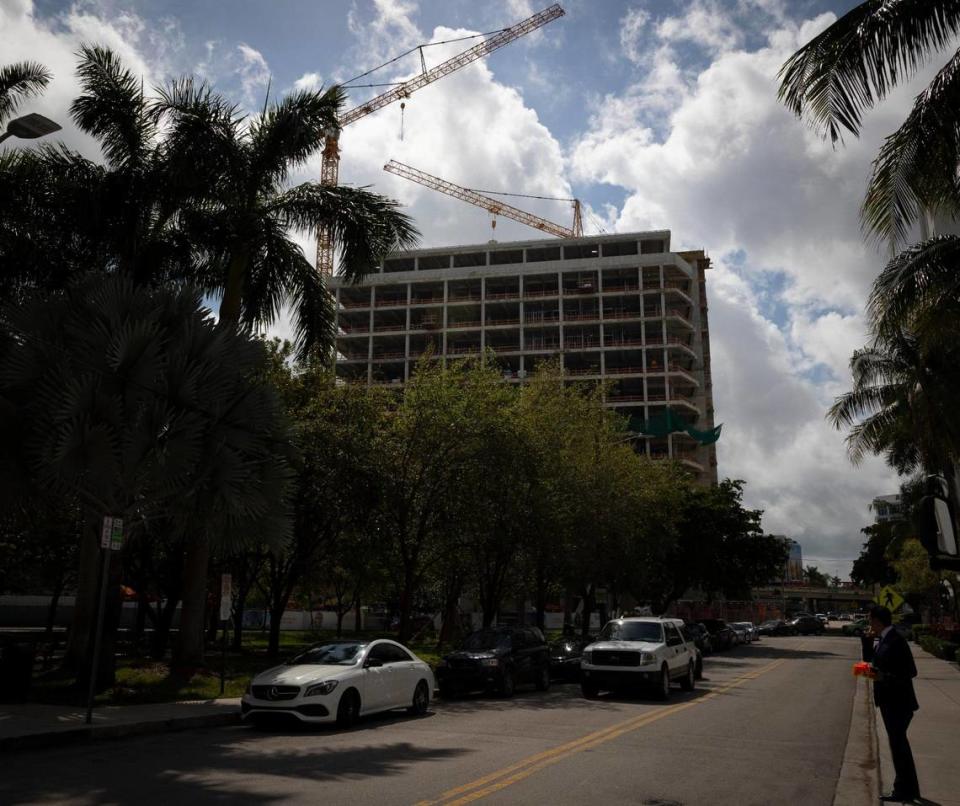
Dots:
pixel 496 659
pixel 805 625
pixel 721 636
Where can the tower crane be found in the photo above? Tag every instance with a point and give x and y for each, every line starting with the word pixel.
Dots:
pixel 330 161
pixel 491 205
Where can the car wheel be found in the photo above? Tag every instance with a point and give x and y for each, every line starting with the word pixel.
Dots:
pixel 663 690
pixel 589 689
pixel 508 684
pixel 543 679
pixel 348 711
pixel 690 681
pixel 421 700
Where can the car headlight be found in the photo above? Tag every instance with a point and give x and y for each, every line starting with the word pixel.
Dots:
pixel 489 661
pixel 588 657
pixel 647 657
pixel 319 689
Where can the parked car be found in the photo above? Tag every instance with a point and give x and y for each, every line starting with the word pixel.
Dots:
pixel 833 615
pixel 565 656
pixel 638 652
pixel 750 629
pixel 858 627
pixel 721 636
pixel 341 682
pixel 823 618
pixel 807 625
pixel 776 627
pixel 740 634
pixel 700 636
pixel 846 617
pixel 496 659
pixel 689 638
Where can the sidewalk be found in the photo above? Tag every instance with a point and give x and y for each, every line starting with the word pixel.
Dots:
pixel 34 725
pixel 933 733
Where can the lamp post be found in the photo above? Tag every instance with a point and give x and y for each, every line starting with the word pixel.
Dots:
pixel 29 127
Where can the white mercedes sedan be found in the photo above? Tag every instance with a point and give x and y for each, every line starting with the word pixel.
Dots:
pixel 340 682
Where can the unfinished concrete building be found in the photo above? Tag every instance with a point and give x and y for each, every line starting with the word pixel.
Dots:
pixel 621 308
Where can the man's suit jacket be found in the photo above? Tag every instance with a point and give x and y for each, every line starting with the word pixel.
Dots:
pixel 892 657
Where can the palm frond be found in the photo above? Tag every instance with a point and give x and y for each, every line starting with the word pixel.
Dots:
pixel 112 108
pixel 291 130
pixel 200 144
pixel 916 168
pixel 365 226
pixel 919 289
pixel 858 60
pixel 19 81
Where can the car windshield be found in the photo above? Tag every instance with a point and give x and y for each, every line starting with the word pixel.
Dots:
pixel 486 639
pixel 345 654
pixel 632 631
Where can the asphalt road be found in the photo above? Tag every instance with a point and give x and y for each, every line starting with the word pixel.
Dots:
pixel 767 726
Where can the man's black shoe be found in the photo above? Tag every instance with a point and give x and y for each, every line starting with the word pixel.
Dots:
pixel 896 797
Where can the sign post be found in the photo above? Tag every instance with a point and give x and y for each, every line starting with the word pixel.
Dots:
pixel 111 539
pixel 226 604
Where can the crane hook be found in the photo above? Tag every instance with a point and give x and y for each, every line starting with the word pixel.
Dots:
pixel 403 105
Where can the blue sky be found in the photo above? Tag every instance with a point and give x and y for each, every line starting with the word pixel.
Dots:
pixel 658 114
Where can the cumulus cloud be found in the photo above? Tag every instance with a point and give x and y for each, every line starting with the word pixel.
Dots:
pixel 714 157
pixel 308 81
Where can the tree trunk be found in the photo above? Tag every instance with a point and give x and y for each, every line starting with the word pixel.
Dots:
pixel 161 628
pixel 82 625
pixel 52 607
pixel 406 604
pixel 232 301
pixel 358 615
pixel 143 607
pixel 190 644
pixel 340 615
pixel 276 615
pixel 588 607
pixel 541 604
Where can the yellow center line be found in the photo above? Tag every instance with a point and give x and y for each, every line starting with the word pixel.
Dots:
pixel 516 772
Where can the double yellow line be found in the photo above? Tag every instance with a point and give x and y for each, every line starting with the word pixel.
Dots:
pixel 515 773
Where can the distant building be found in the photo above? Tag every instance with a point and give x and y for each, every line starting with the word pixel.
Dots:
pixel 793 570
pixel 887 508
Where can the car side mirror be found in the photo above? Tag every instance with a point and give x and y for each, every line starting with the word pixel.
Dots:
pixel 372 663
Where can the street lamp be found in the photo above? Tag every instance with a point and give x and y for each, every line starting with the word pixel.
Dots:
pixel 29 127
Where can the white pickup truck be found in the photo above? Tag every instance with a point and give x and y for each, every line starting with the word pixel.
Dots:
pixel 638 653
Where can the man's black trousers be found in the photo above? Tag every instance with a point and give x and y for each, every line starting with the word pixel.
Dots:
pixel 896 719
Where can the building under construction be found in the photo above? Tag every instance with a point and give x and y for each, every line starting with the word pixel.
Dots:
pixel 619 308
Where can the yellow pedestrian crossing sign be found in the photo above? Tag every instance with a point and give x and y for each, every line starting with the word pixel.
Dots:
pixel 889 597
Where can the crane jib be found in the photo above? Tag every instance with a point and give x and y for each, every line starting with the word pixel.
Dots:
pixel 478 51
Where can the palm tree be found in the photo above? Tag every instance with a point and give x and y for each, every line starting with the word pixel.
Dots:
pixel 244 225
pixel 855 63
pixel 18 82
pixel 133 402
pixel 900 406
pixel 920 290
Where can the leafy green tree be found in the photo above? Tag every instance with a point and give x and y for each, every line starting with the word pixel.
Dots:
pixel 855 63
pixel 719 548
pixel 873 566
pixel 134 403
pixel 814 577
pixel 337 473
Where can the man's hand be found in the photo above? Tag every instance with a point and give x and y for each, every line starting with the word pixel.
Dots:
pixel 878 676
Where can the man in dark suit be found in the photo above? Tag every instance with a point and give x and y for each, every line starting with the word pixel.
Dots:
pixel 889 654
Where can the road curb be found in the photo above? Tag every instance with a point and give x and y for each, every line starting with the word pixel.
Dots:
pixel 55 738
pixel 859 781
